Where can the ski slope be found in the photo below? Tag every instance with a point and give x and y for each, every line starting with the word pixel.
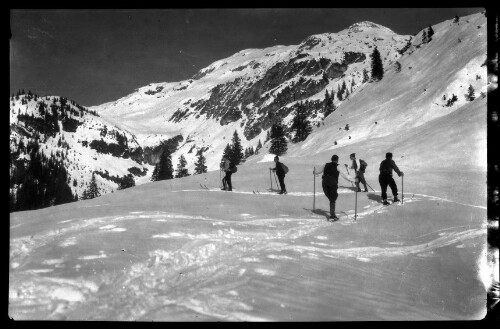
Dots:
pixel 173 251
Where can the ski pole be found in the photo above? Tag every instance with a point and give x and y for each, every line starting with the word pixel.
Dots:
pixel 276 180
pixel 402 189
pixel 348 174
pixel 370 187
pixel 314 190
pixel 270 178
pixel 356 206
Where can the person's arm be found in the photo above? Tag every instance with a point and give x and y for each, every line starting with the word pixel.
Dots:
pixel 346 177
pixel 318 170
pixel 396 169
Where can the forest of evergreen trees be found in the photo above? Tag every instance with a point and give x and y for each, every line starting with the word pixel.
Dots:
pixel 38 182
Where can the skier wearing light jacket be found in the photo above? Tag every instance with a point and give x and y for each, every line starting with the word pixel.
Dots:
pixel 385 177
pixel 330 182
pixel 280 172
pixel 359 169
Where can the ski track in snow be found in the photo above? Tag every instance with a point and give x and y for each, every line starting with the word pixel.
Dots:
pixel 340 191
pixel 191 276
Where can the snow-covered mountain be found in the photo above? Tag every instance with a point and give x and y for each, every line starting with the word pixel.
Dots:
pixel 80 138
pixel 249 90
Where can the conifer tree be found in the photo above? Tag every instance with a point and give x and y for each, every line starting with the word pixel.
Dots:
pixel 300 124
pixel 181 168
pixel 236 149
pixel 397 66
pixel 163 169
pixel 199 166
pixel 424 37
pixel 328 108
pixel 430 33
pixel 259 146
pixel 278 141
pixel 126 182
pixel 377 66
pixel 226 154
pixel 470 96
pixel 92 190
pixel 339 95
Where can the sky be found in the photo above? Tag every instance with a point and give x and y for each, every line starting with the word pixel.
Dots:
pixel 99 56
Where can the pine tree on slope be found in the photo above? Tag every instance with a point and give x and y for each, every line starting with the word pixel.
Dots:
pixel 278 141
pixel 236 149
pixel 301 125
pixel 92 190
pixel 181 168
pixel 377 66
pixel 430 33
pixel 163 169
pixel 470 96
pixel 126 182
pixel 199 166
pixel 259 146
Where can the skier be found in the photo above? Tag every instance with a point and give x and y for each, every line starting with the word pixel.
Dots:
pixel 226 181
pixel 280 172
pixel 359 167
pixel 385 177
pixel 330 182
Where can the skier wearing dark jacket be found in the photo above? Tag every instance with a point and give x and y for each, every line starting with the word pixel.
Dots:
pixel 280 172
pixel 226 167
pixel 385 177
pixel 330 182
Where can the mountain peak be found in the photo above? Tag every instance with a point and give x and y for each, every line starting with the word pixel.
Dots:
pixel 365 26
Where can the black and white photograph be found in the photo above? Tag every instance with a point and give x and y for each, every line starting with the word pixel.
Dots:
pixel 253 164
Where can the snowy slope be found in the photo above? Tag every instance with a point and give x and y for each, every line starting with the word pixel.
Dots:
pixel 414 97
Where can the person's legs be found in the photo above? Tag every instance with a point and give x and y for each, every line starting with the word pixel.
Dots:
pixel 356 180
pixel 362 180
pixel 224 184
pixel 333 199
pixel 394 187
pixel 383 186
pixel 281 179
pixel 228 181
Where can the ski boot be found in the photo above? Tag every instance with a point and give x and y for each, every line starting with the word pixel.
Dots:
pixel 385 203
pixel 333 218
pixel 396 199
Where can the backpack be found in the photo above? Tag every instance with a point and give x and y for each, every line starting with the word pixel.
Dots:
pixel 285 168
pixel 362 165
pixel 233 168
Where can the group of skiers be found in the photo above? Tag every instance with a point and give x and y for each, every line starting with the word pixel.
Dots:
pixel 331 174
pixel 330 177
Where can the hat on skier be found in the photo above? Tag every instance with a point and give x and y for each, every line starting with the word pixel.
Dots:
pixel 353 155
pixel 335 157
